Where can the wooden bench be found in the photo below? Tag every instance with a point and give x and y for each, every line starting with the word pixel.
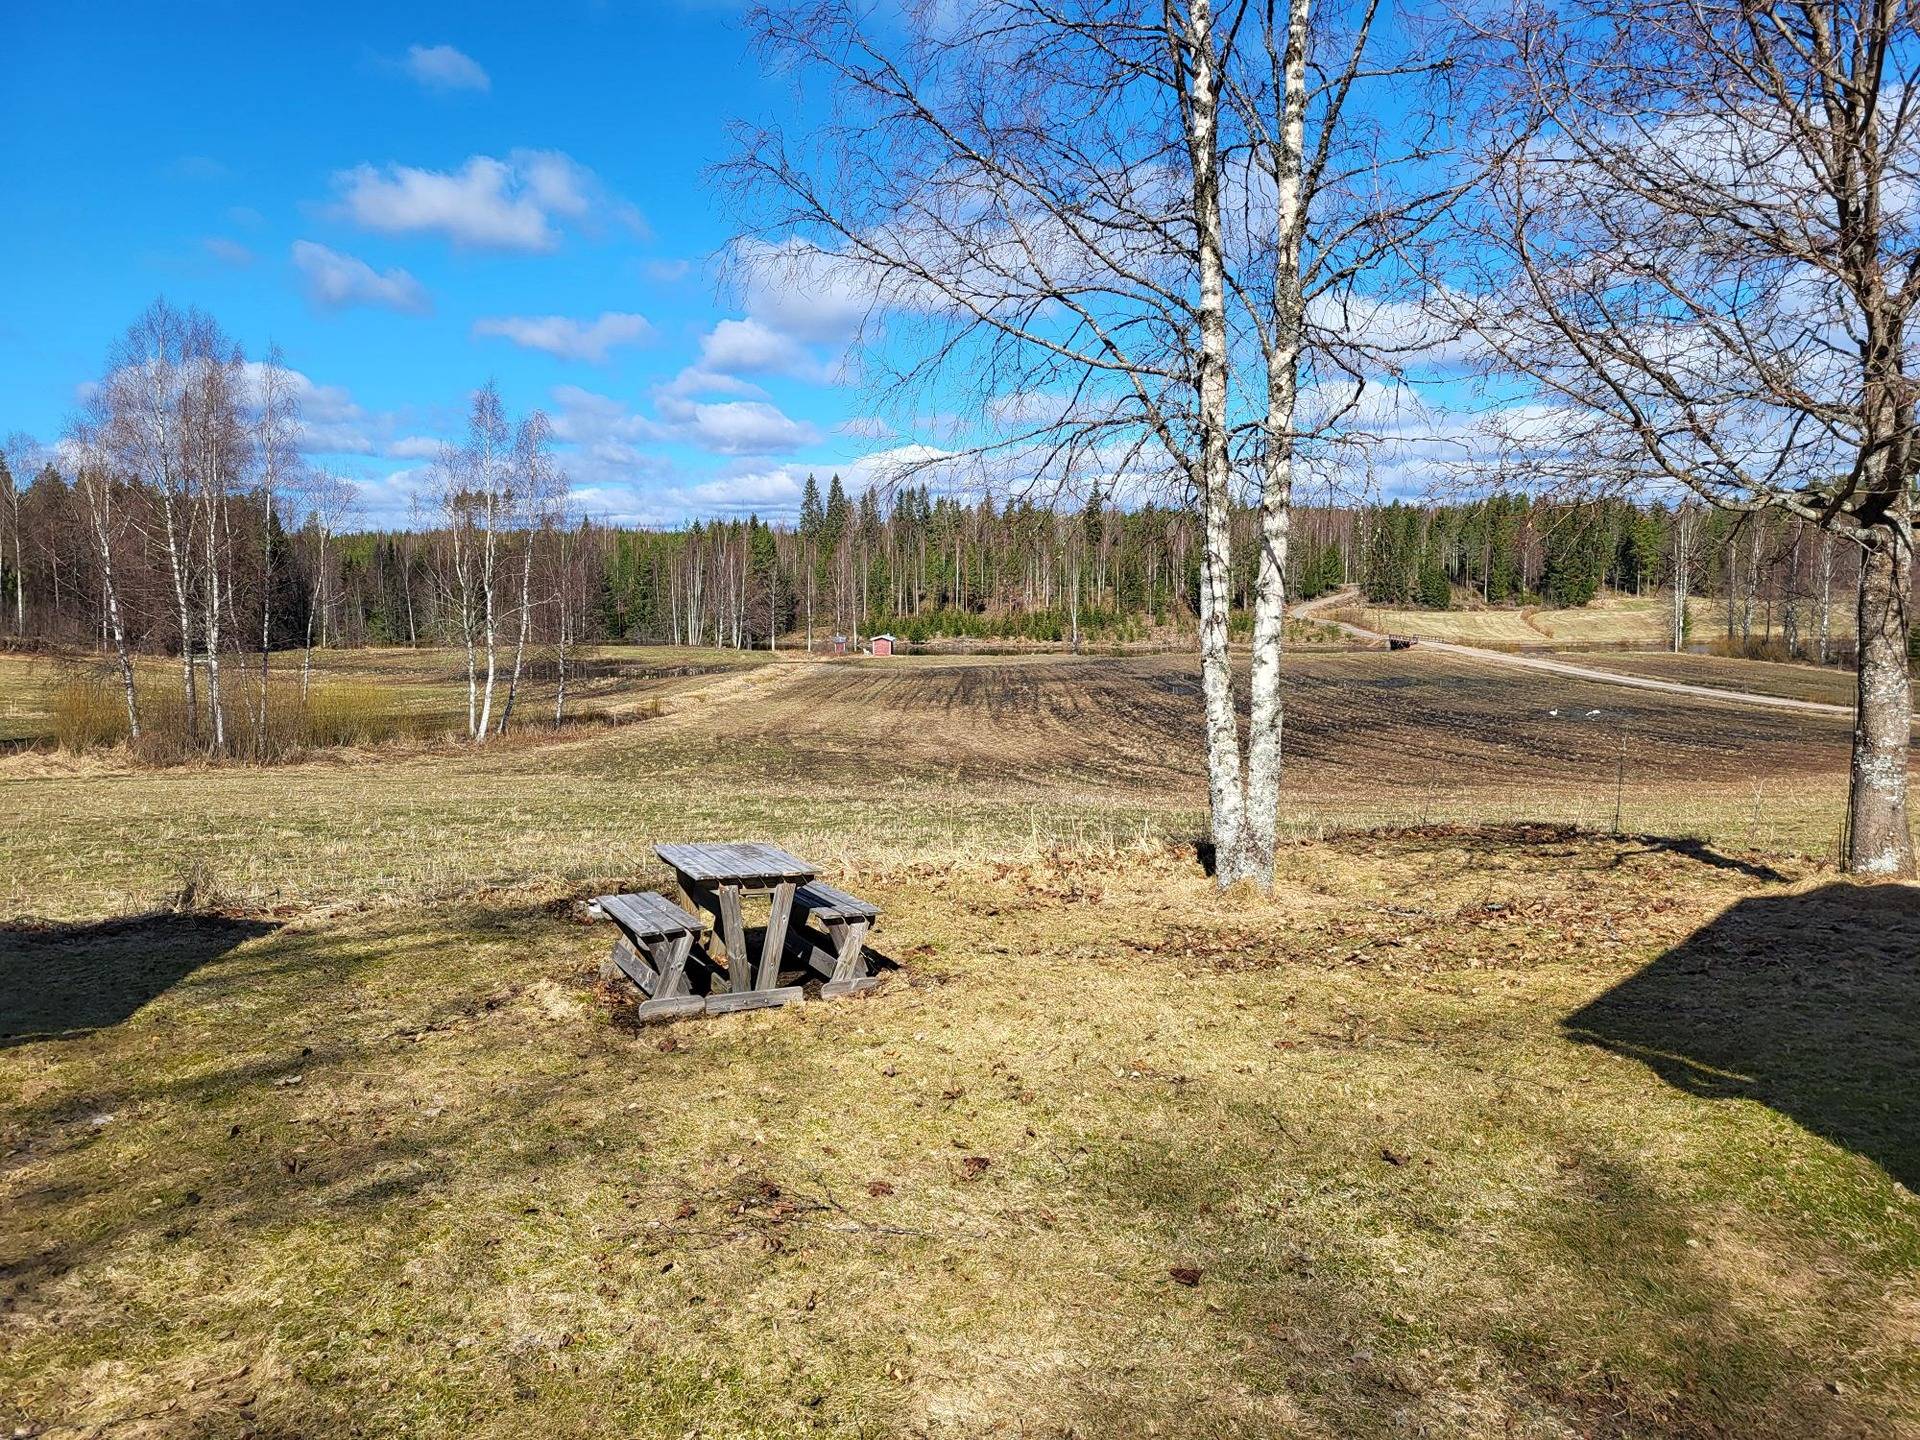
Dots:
pixel 846 919
pixel 655 939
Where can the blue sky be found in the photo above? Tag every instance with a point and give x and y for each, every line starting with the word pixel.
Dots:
pixel 410 200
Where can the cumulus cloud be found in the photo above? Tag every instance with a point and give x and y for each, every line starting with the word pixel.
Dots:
pixel 735 427
pixel 752 347
pixel 804 292
pixel 567 338
pixel 441 67
pixel 522 203
pixel 803 307
pixel 606 429
pixel 336 282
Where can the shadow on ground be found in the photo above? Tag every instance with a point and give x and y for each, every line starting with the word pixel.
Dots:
pixel 62 981
pixel 1809 1004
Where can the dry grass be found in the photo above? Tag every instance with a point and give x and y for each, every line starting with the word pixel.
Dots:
pixel 869 758
pixel 396 1172
pixel 1828 685
pixel 1517 1132
pixel 1610 621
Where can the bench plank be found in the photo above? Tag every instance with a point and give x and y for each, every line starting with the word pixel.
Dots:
pixel 650 916
pixel 825 902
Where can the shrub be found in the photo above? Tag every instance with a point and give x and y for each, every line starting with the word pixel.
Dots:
pixel 89 711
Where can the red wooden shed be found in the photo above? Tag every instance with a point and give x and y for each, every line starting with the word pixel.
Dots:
pixel 883 644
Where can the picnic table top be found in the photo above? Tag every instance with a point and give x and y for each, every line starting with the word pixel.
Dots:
pixel 734 861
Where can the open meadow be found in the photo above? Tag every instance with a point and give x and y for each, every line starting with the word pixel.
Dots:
pixel 1489 1121
pixel 1611 621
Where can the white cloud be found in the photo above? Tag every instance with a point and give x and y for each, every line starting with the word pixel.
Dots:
pixel 735 427
pixel 519 203
pixel 695 381
pixel 731 427
pixel 774 491
pixel 228 252
pixel 335 281
pixel 333 423
pixel 810 294
pixel 799 302
pixel 765 492
pixel 752 347
pixel 441 67
pixel 668 271
pixel 567 338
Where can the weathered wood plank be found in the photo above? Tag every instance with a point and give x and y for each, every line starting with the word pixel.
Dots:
pixel 734 927
pixel 773 943
pixel 645 916
pixel 724 1002
pixel 670 1008
pixel 670 959
pixel 627 961
pixel 821 899
pixel 737 861
pixel 850 938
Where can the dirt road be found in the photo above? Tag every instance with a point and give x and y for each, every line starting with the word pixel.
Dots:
pixel 1311 609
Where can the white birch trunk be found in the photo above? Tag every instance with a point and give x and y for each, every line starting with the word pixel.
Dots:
pixel 1213 478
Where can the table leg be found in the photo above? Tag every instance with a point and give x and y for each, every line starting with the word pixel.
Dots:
pixel 734 935
pixel 774 943
pixel 850 974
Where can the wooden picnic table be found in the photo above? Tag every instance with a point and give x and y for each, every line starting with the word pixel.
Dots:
pixel 716 878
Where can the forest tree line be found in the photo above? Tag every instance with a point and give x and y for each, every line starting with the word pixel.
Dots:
pixel 500 565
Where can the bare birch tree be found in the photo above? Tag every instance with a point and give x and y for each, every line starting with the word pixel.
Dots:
pixel 538 493
pixel 94 479
pixel 1698 242
pixel 472 490
pixel 330 500
pixel 214 444
pixel 1113 229
pixel 145 395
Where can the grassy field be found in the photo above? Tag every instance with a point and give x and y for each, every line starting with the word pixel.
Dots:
pixel 1620 621
pixel 313 1121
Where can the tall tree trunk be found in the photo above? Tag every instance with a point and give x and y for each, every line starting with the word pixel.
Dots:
pixel 1682 575
pixel 1266 714
pixel 184 610
pixel 490 632
pixel 99 506
pixel 1225 776
pixel 1880 838
pixel 526 620
pixel 216 709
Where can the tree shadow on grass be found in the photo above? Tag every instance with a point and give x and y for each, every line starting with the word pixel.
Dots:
pixel 61 981
pixel 1809 1004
